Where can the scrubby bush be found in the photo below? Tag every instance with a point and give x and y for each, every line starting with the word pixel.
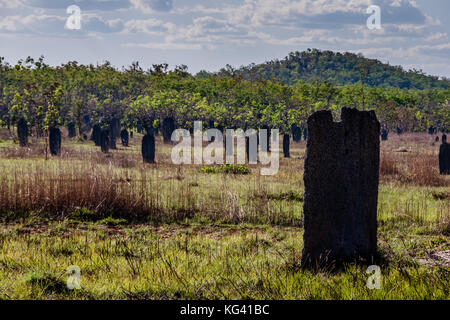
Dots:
pixel 227 169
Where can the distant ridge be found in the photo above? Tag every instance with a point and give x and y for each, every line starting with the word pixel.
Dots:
pixel 339 69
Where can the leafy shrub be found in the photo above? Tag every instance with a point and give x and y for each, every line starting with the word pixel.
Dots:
pixel 112 222
pixel 207 169
pixel 227 169
pixel 85 215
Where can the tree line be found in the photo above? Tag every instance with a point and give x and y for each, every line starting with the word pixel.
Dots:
pixel 83 96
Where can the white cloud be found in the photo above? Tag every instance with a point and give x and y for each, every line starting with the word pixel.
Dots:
pixel 149 26
pixel 29 23
pixel 86 5
pixel 152 6
pixel 166 46
pixel 54 25
pixel 11 4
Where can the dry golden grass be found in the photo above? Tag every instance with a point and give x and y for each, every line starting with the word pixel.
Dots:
pixel 412 159
pixel 119 184
pixel 388 165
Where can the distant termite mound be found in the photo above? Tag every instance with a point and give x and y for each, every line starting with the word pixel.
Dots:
pixel 148 148
pixel 55 141
pixel 22 132
pixel 125 137
pixel 104 140
pixel 444 156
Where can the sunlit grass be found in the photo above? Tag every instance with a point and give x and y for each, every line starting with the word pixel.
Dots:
pixel 216 262
pixel 161 231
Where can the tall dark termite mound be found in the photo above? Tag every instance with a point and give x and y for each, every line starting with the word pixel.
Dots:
pixel 286 146
pixel 296 133
pixel 54 140
pixel 444 156
pixel 167 129
pixel 22 132
pixel 112 134
pixel 87 123
pixel 124 136
pixel 72 131
pixel 96 135
pixel 384 135
pixel 104 140
pixel 148 148
pixel 432 130
pixel 115 126
pixel 341 188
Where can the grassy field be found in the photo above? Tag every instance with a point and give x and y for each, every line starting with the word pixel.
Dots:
pixel 163 231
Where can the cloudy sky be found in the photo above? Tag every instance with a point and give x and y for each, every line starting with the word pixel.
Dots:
pixel 208 34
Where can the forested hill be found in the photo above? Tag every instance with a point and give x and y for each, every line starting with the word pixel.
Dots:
pixel 339 69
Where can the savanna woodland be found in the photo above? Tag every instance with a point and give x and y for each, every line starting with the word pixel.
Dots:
pixel 140 227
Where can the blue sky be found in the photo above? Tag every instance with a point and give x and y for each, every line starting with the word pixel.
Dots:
pixel 208 34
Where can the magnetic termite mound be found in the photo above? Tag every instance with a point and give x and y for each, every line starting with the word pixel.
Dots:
pixel 125 137
pixel 71 129
pixel 296 133
pixel 341 188
pixel 104 140
pixel 286 146
pixel 22 132
pixel 168 128
pixel 444 156
pixel 54 141
pixel 96 135
pixel 148 148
